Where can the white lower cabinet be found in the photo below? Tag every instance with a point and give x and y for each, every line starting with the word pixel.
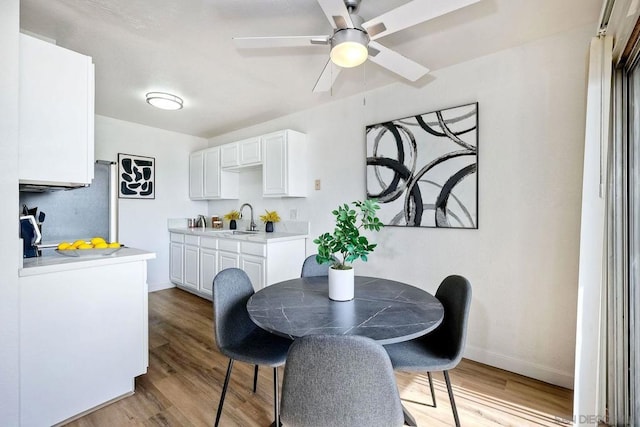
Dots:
pixel 191 262
pixel 228 260
pixel 194 267
pixel 176 259
pixel 191 266
pixel 255 268
pixel 208 269
pixel 229 254
pixel 83 339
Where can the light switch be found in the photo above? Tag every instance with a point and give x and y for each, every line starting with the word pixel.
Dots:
pixel 317 184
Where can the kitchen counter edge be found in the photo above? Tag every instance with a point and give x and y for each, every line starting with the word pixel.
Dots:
pixel 55 262
pixel 260 237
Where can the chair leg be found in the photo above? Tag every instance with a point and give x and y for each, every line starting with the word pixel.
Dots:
pixel 255 378
pixel 224 391
pixel 453 402
pixel 276 401
pixel 433 394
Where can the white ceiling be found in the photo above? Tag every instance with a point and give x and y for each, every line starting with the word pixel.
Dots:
pixel 184 47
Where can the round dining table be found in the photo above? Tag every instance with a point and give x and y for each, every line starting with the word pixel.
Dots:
pixel 385 310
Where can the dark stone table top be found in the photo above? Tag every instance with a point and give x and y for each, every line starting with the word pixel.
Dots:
pixel 384 310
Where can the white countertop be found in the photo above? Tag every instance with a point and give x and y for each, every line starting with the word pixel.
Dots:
pixel 260 236
pixel 52 261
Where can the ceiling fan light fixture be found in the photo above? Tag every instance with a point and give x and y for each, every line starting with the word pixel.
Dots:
pixel 349 48
pixel 164 101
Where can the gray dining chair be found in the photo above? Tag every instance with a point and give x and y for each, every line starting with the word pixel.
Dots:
pixel 440 350
pixel 237 337
pixel 339 380
pixel 312 268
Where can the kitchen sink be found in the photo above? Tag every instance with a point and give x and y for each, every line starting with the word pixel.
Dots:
pixel 244 232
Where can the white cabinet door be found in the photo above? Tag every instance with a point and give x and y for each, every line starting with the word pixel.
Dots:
pixel 274 177
pixel 229 155
pixel 218 183
pixel 83 339
pixel 250 151
pixel 284 164
pixel 228 260
pixel 176 263
pixel 191 266
pixel 196 175
pixel 255 268
pixel 212 173
pixel 56 114
pixel 208 269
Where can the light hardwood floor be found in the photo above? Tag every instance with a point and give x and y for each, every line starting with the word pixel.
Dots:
pixel 185 376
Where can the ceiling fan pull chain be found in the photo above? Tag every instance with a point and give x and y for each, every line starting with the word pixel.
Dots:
pixel 364 84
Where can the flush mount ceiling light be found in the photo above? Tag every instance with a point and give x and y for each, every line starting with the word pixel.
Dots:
pixel 163 100
pixel 349 47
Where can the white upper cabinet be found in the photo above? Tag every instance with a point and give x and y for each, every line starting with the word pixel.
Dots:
pixel 250 151
pixel 196 175
pixel 212 181
pixel 284 164
pixel 214 172
pixel 207 179
pixel 247 152
pixel 56 114
pixel 229 155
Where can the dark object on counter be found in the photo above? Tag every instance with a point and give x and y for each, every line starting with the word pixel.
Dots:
pixel 27 211
pixel 30 235
pixel 268 227
pixel 41 216
pixel 232 224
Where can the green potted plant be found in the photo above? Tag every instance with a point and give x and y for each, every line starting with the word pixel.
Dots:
pixel 269 218
pixel 232 217
pixel 346 245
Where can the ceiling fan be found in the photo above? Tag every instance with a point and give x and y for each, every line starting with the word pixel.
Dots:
pixel 354 40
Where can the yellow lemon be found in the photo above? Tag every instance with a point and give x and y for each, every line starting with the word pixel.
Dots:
pixel 97 240
pixel 101 245
pixel 63 246
pixel 114 245
pixel 77 243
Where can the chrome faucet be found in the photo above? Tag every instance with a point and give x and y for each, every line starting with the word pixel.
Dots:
pixel 201 222
pixel 252 225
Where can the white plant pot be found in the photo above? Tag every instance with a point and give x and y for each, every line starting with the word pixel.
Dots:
pixel 341 284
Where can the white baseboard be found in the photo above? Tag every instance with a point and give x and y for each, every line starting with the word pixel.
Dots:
pixel 519 366
pixel 160 286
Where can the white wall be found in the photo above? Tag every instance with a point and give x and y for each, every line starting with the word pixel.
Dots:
pixel 9 231
pixel 143 223
pixel 522 261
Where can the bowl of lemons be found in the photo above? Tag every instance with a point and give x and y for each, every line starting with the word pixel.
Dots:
pixel 97 246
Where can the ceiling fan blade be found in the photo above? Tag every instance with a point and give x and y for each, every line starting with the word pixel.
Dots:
pixel 393 61
pixel 410 14
pixel 283 41
pixel 327 77
pixel 337 13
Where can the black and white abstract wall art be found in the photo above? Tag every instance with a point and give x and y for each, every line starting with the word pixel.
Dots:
pixel 423 170
pixel 136 176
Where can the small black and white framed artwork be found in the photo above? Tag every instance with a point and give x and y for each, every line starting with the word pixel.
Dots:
pixel 136 177
pixel 423 169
